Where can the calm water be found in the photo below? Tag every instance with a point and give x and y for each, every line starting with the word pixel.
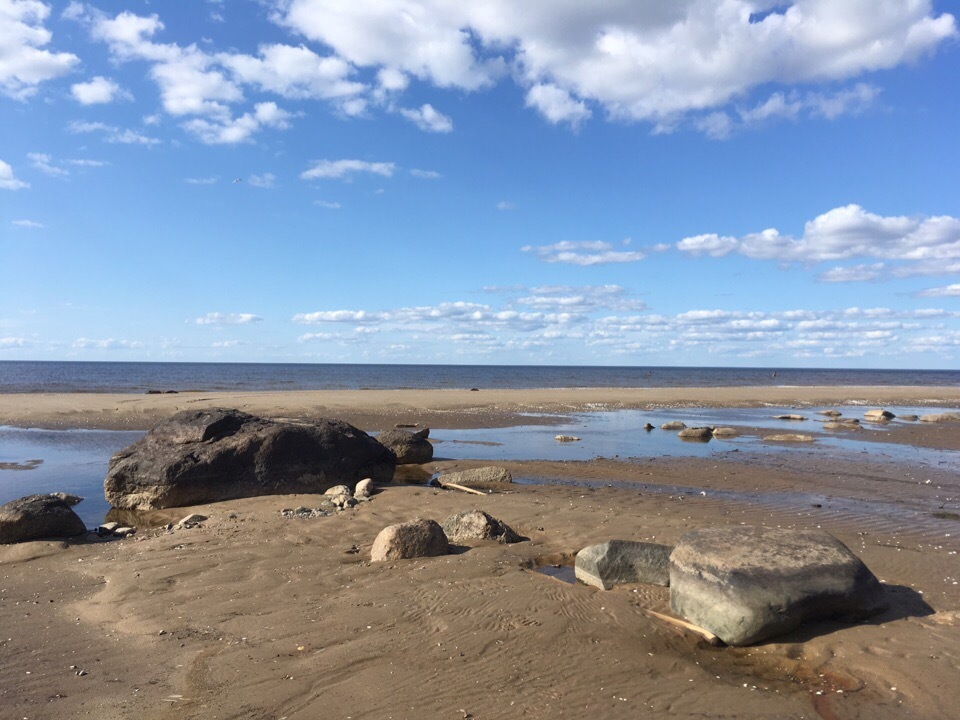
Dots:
pixel 24 377
pixel 76 460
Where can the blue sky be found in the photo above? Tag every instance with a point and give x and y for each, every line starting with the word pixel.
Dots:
pixel 745 183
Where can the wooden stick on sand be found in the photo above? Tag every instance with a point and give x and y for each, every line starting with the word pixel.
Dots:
pixel 454 486
pixel 683 624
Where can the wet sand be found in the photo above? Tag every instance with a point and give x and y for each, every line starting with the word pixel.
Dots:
pixel 254 615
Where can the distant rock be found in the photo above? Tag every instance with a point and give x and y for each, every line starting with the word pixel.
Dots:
pixel 202 456
pixel 648 426
pixel 746 584
pixel 623 561
pixel 410 448
pixel 40 516
pixel 830 413
pixel 191 520
pixel 908 418
pixel 696 433
pixel 841 426
pixel 477 525
pixel 478 477
pixel 789 417
pixel 725 432
pixel 416 538
pixel 789 438
pixel 566 438
pixel 673 425
pixel 941 417
pixel 878 415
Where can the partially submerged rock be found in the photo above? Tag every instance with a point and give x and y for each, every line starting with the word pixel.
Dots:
pixel 789 438
pixel 416 538
pixel 478 477
pixel 673 425
pixel 746 584
pixel 789 416
pixel 878 415
pixel 40 516
pixel 477 525
pixel 833 425
pixel 411 448
pixel 696 433
pixel 567 438
pixel 941 417
pixel 725 432
pixel 202 456
pixel 623 561
pixel 830 413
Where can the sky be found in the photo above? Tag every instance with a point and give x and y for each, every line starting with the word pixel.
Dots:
pixel 757 183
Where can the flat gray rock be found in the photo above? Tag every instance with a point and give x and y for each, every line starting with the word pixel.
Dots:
pixel 40 516
pixel 941 417
pixel 203 456
pixel 623 561
pixel 673 425
pixel 746 584
pixel 416 538
pixel 478 477
pixel 477 525
pixel 696 433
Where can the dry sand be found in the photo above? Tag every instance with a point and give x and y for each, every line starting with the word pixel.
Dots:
pixel 254 615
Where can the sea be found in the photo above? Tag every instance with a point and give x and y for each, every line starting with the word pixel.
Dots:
pixel 34 460
pixel 142 377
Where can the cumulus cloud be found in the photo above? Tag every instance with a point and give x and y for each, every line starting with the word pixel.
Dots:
pixel 98 91
pixel 7 179
pixel 946 291
pixel 852 273
pixel 25 61
pixel 654 62
pixel 345 169
pixel 428 119
pixel 229 131
pixel 219 318
pixel 842 233
pixel 583 253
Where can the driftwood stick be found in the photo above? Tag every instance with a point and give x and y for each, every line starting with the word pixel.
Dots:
pixel 683 624
pixel 454 486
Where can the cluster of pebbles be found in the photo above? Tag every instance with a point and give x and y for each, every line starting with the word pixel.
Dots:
pixel 336 499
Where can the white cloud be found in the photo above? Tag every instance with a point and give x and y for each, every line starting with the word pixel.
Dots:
pixel 339 169
pixel 229 131
pixel 425 174
pixel 428 119
pixel 583 253
pixel 25 62
pixel 86 162
pixel 655 62
pixel 325 316
pixel 946 291
pixel 202 181
pixel 98 91
pixel 106 344
pixel 28 224
pixel 6 343
pixel 219 318
pixel 8 181
pixel 293 72
pixel 112 134
pixel 505 205
pixel 44 163
pixel 328 204
pixel 266 181
pixel 841 233
pixel 853 273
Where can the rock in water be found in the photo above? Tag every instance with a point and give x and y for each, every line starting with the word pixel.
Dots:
pixel 725 432
pixel 202 456
pixel 790 416
pixel 674 425
pixel 410 448
pixel 623 561
pixel 879 415
pixel 746 584
pixel 940 417
pixel 416 538
pixel 477 525
pixel 40 516
pixel 789 438
pixel 478 477
pixel 696 433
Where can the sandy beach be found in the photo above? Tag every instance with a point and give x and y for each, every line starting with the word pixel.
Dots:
pixel 257 615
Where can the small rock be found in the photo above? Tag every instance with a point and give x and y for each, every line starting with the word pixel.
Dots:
pixel 192 519
pixel 878 415
pixel 789 438
pixel 416 538
pixel 40 516
pixel 567 438
pixel 648 427
pixel 477 525
pixel 908 418
pixel 841 426
pixel 107 528
pixel 789 417
pixel 124 531
pixel 696 433
pixel 364 488
pixel 673 425
pixel 623 561
pixel 940 417
pixel 725 432
pixel 338 490
pixel 830 413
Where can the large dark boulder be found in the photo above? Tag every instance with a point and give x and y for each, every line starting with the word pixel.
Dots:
pixel 746 584
pixel 40 516
pixel 202 456
pixel 411 448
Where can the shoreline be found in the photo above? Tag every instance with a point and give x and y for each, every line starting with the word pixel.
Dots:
pixel 454 409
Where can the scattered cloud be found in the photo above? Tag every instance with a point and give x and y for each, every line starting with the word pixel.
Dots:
pixel 229 131
pixel 506 205
pixel 328 204
pixel 7 343
pixel 428 119
pixel 219 318
pixel 28 224
pixel 346 169
pixel 107 344
pixel 25 61
pixel 44 163
pixel 213 180
pixel 425 174
pixel 7 179
pixel 853 273
pixel 946 291
pixel 112 133
pixel 583 253
pixel 266 181
pixel 98 91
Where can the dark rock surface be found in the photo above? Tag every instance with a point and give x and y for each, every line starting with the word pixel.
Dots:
pixel 40 516
pixel 623 561
pixel 411 448
pixel 202 456
pixel 416 538
pixel 477 525
pixel 746 584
